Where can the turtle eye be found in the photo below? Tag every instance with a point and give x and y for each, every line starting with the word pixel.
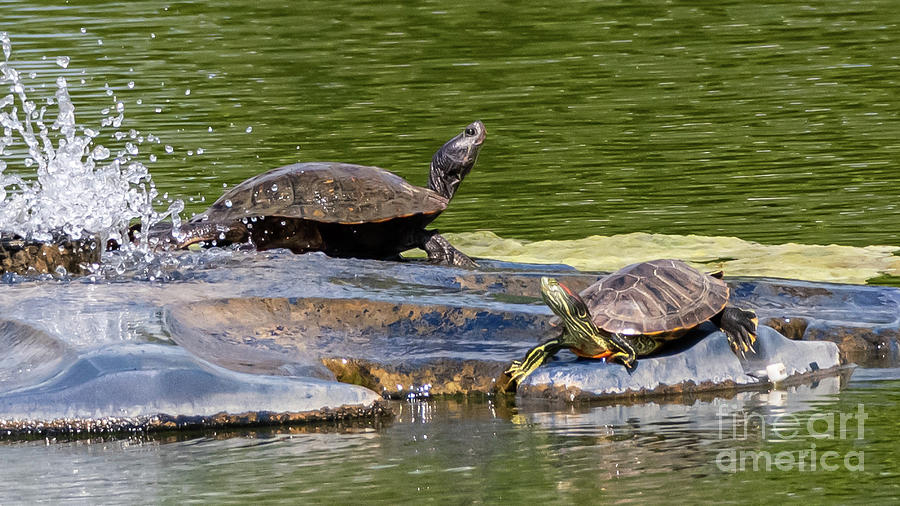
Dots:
pixel 470 131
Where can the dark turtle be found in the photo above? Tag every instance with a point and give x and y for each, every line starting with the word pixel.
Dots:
pixel 634 311
pixel 341 209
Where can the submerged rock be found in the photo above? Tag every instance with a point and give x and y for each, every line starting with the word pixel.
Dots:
pixel 29 356
pixel 58 256
pixel 151 386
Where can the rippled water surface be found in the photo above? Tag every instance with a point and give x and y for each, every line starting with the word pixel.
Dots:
pixel 772 122
pixel 775 122
pixel 454 451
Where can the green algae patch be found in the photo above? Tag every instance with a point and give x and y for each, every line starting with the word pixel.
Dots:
pixel 831 263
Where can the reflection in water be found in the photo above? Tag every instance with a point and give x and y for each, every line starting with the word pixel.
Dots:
pixel 482 450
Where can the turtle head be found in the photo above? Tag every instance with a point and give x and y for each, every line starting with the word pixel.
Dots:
pixel 569 306
pixel 455 159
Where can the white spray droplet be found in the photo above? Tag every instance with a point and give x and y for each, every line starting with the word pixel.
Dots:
pixel 249 129
pixel 63 61
pixel 169 149
pixel 227 203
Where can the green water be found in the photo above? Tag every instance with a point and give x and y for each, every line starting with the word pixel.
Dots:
pixel 465 451
pixel 774 122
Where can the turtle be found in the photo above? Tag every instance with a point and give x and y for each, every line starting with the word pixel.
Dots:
pixel 635 311
pixel 341 209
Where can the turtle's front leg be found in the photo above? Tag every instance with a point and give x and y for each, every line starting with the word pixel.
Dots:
pixel 518 370
pixel 442 252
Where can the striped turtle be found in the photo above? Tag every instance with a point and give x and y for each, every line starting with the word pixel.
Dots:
pixel 634 311
pixel 341 209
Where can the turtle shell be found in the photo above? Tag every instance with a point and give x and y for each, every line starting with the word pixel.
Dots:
pixel 659 298
pixel 328 192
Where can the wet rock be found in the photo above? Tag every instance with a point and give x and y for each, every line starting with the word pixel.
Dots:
pixel 251 328
pixel 394 348
pixel 403 349
pixel 704 363
pixel 791 328
pixel 864 321
pixel 29 356
pixel 29 257
pixel 161 386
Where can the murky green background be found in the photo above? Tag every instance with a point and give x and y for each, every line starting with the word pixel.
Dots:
pixel 774 122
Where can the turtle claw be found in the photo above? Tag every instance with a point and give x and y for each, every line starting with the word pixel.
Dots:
pixel 440 251
pixel 626 352
pixel 739 326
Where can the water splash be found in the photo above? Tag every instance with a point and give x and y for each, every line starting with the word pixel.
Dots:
pixel 79 186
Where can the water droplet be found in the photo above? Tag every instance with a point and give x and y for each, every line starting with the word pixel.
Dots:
pixel 249 129
pixel 228 203
pixel 152 158
pixel 187 91
pixel 120 107
pixel 199 151
pixel 190 152
pixel 209 129
pixel 63 61
pixel 100 153
pixel 274 187
pixel 158 109
pixel 131 84
pixel 7 46
pixel 99 42
pixel 169 149
pixel 140 101
pixel 152 35
pixel 83 30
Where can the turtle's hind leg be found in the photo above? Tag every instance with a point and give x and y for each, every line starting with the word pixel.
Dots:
pixel 192 233
pixel 739 326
